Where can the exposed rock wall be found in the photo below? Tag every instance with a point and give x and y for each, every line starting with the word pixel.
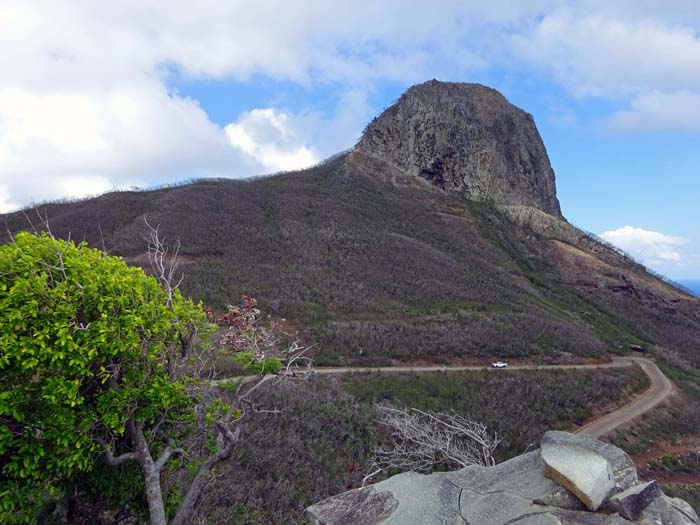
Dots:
pixel 466 139
pixel 525 490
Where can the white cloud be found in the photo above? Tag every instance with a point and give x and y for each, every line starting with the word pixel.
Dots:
pixel 104 139
pixel 83 86
pixel 85 186
pixel 679 110
pixel 5 203
pixel 643 55
pixel 275 140
pixel 83 90
pixel 654 249
pixel 600 55
pixel 332 41
pixel 268 138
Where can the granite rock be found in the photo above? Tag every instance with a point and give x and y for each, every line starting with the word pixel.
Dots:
pixel 624 473
pixel 513 492
pixel 669 511
pixel 578 468
pixel 631 503
pixel 466 139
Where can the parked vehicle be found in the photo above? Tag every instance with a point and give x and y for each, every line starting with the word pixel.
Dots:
pixel 499 364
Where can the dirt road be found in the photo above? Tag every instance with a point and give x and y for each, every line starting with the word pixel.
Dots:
pixel 661 387
pixel 617 362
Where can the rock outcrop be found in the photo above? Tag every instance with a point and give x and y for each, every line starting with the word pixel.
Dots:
pixel 466 139
pixel 514 492
pixel 575 465
pixel 631 503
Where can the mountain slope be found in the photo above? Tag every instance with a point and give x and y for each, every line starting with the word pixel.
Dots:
pixel 377 255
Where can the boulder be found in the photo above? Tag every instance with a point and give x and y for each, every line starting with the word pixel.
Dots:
pixel 513 492
pixel 407 499
pixel 367 504
pixel 669 511
pixel 631 502
pixel 575 465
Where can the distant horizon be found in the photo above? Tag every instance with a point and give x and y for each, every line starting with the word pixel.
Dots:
pixel 692 284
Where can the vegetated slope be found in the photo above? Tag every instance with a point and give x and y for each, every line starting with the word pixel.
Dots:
pixel 321 443
pixel 374 261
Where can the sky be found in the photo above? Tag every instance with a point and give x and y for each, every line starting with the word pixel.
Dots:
pixel 98 95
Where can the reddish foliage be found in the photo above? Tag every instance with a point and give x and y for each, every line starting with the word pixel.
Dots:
pixel 244 334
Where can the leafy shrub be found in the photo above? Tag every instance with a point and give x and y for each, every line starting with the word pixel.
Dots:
pixel 75 321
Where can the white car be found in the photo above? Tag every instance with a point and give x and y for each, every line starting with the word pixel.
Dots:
pixel 499 364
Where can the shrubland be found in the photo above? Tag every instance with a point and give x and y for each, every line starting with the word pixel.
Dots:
pixel 376 271
pixel 108 414
pixel 322 442
pixel 366 271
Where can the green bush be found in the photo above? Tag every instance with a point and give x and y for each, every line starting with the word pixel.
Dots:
pixel 75 323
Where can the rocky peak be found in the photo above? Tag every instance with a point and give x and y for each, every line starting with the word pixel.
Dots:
pixel 466 139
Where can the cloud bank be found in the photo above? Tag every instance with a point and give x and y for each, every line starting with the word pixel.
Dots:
pixel 85 104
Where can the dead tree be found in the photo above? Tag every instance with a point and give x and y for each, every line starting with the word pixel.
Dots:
pixel 164 261
pixel 422 441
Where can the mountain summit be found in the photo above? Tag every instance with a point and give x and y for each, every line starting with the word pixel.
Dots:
pixel 466 139
pixel 438 238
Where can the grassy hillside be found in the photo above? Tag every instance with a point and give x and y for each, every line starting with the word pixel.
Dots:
pixel 373 271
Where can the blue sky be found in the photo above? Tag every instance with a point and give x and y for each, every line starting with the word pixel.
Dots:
pixel 100 95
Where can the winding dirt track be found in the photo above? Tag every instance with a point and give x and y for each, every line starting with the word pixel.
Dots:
pixel 660 389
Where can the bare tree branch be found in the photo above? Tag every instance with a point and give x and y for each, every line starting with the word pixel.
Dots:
pixel 163 264
pixel 298 365
pixel 225 445
pixel 230 428
pixel 102 238
pixel 423 440
pixel 260 381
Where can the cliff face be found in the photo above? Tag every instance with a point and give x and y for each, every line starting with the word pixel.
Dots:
pixel 469 140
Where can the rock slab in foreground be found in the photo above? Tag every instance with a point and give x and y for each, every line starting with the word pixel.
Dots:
pixel 514 492
pixel 573 463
